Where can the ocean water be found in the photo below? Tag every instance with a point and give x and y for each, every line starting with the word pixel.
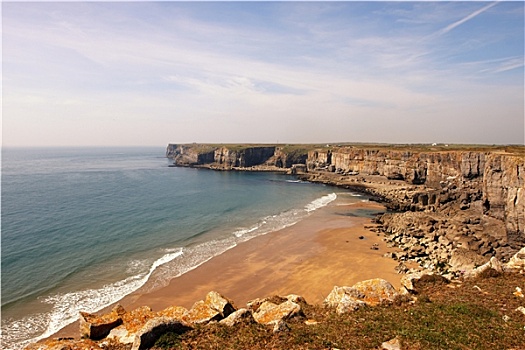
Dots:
pixel 83 227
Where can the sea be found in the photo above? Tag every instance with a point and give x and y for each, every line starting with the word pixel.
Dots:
pixel 83 227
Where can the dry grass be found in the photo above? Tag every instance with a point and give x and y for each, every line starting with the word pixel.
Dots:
pixel 469 316
pixel 304 148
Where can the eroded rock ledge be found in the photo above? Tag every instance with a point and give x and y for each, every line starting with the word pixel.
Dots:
pixel 453 207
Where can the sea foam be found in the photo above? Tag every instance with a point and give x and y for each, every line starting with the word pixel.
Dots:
pixel 65 307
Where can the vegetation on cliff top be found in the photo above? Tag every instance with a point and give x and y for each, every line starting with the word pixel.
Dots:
pixel 295 148
pixel 477 314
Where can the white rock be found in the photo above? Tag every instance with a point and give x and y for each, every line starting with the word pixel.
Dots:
pixel 392 344
pixel 493 264
pixel 237 317
pixel 517 262
pixel 370 292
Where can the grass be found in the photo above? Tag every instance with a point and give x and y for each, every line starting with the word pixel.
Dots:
pixel 470 316
pixel 304 148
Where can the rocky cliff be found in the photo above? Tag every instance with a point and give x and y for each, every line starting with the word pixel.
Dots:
pixel 462 177
pixel 476 194
pixel 228 157
pixel 430 168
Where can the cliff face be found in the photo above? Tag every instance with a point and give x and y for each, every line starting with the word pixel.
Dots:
pixel 246 157
pixel 504 192
pixel 190 155
pixel 498 178
pixel 416 168
pixel 235 157
pixel 491 180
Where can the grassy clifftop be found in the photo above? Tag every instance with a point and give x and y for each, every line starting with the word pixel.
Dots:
pixel 475 314
pixel 512 149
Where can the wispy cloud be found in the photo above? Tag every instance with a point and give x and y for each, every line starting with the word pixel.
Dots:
pixel 466 19
pixel 501 65
pixel 360 70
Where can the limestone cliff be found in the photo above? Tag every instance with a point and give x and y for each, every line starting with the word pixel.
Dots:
pixel 504 191
pixel 190 155
pixel 465 176
pixel 430 168
pixel 485 182
pixel 228 157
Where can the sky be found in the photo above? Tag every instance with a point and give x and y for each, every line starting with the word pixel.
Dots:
pixel 151 73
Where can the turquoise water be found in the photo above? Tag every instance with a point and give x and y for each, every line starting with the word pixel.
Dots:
pixel 83 227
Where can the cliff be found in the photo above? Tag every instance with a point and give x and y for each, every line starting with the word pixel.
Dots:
pixel 477 193
pixel 239 157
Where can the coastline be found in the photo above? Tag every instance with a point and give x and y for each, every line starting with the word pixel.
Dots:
pixel 308 258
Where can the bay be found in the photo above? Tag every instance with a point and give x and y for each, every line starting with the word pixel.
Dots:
pixel 83 227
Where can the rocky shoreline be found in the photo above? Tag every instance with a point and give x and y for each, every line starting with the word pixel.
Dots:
pixel 449 236
pixel 455 213
pixel 141 328
pixel 452 207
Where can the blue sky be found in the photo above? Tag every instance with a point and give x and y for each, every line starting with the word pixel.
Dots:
pixel 149 73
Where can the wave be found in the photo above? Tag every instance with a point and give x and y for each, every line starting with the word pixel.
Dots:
pixel 173 263
pixel 285 219
pixel 321 202
pixel 65 307
pixel 298 181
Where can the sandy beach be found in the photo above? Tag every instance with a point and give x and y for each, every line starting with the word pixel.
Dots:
pixel 308 258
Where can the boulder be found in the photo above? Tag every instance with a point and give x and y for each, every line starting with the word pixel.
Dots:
pixel 132 322
pixel 295 298
pixel 465 260
pixel 517 261
pixel 343 300
pixel 375 291
pixel 176 312
pixel 280 326
pixel 218 302
pixel 407 282
pixel 493 266
pixel 270 313
pixel 201 312
pixel 412 282
pixel 121 335
pixel 97 327
pixel 135 320
pixel 255 303
pixel 370 292
pixel 239 316
pixel 392 344
pixel 215 307
pixel 154 328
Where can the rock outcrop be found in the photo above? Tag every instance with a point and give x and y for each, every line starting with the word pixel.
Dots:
pixel 142 327
pixel 370 292
pixel 517 261
pixel 154 328
pixel 214 307
pixel 410 283
pixel 271 313
pixel 98 327
pixel 279 313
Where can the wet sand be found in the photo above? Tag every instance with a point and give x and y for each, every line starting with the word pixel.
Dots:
pixel 308 258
